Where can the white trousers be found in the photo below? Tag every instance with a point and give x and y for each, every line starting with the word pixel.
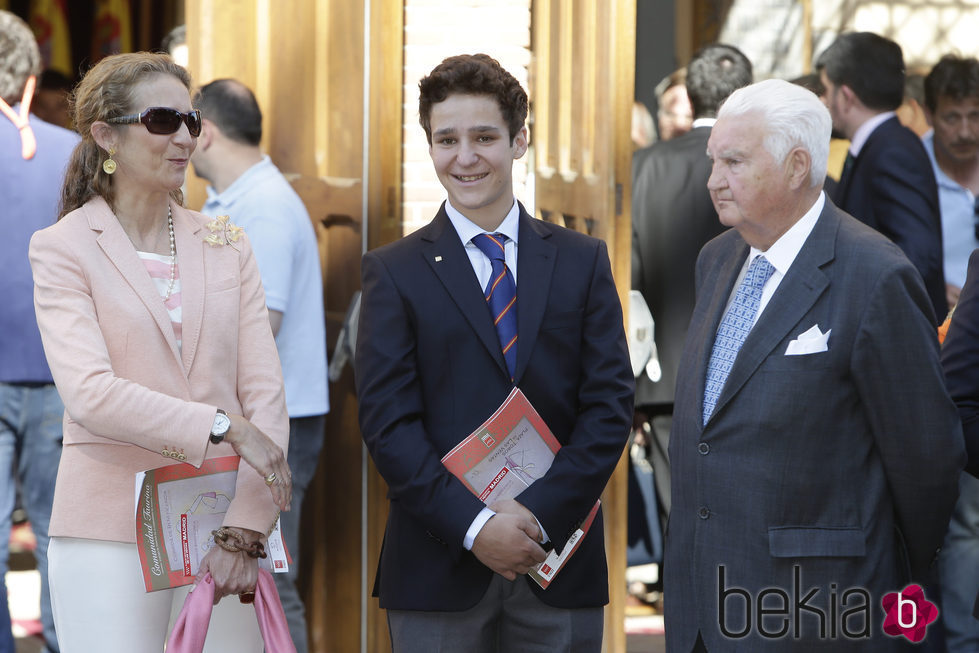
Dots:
pixel 100 604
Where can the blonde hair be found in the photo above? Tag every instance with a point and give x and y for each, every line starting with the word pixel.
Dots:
pixel 107 91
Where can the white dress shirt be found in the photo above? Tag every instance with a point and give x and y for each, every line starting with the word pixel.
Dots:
pixel 483 268
pixel 781 255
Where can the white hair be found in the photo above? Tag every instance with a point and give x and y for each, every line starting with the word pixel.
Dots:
pixel 793 117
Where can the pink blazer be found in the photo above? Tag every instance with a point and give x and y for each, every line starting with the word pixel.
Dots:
pixel 133 400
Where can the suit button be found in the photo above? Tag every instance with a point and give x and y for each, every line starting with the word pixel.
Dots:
pixel 703 448
pixel 182 457
pixel 704 512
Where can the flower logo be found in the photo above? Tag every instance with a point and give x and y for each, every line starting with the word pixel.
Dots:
pixel 222 231
pixel 908 613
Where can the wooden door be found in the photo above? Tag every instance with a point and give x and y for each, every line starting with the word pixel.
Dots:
pixel 584 76
pixel 320 71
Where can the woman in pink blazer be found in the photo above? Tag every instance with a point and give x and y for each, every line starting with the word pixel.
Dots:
pixel 154 324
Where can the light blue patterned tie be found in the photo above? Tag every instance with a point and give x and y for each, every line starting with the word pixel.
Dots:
pixel 734 328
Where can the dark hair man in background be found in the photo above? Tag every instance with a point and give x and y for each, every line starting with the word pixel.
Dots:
pixel 672 218
pixel 887 181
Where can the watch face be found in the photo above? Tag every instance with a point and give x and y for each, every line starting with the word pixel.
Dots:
pixel 221 424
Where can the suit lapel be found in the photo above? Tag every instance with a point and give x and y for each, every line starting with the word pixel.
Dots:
pixel 843 187
pixel 446 255
pixel 796 294
pixel 535 266
pixel 120 251
pixel 880 134
pixel 190 261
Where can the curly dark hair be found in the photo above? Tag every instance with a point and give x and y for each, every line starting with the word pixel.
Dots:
pixel 473 74
pixel 953 77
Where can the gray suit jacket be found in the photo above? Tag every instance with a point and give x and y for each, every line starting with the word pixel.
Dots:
pixel 828 471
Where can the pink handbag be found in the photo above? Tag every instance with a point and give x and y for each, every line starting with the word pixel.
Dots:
pixel 190 630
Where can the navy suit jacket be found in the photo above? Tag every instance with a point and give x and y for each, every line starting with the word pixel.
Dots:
pixel 891 187
pixel 672 218
pixel 429 370
pixel 960 355
pixel 842 464
pixel 960 358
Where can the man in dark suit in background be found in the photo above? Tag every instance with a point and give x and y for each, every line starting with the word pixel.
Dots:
pixel 431 367
pixel 814 447
pixel 672 218
pixel 960 355
pixel 887 180
pixel 951 100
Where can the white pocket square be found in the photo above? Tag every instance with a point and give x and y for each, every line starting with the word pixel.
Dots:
pixel 811 342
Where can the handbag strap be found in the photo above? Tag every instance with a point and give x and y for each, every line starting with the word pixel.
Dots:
pixel 271 617
pixel 190 630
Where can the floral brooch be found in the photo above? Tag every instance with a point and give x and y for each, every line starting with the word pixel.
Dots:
pixel 222 231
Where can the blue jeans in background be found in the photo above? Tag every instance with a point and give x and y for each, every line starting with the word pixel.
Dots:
pixel 30 450
pixel 6 636
pixel 958 568
pixel 305 443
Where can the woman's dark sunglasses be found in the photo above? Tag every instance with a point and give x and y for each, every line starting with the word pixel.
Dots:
pixel 163 120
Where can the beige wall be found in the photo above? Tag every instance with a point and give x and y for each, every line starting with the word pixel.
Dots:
pixel 434 30
pixel 771 31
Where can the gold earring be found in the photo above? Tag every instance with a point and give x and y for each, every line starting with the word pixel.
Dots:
pixel 109 166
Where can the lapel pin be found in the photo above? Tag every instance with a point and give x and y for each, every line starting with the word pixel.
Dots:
pixel 438 259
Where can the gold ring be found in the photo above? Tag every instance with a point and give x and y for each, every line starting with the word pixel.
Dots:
pixel 246 597
pixel 270 479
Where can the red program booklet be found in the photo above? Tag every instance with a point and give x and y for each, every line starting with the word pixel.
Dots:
pixel 501 458
pixel 177 507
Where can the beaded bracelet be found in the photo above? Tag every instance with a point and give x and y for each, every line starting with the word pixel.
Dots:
pixel 222 536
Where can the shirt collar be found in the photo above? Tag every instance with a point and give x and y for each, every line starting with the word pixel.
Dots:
pixel 703 122
pixel 466 228
pixel 241 185
pixel 866 129
pixel 783 251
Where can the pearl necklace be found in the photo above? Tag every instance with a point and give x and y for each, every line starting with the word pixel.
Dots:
pixel 173 255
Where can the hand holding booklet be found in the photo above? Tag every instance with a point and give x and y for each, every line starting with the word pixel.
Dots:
pixel 177 507
pixel 503 457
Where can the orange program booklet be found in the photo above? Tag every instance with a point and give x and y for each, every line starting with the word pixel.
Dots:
pixel 501 458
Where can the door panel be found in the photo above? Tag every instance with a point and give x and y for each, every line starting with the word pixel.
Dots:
pixel 582 106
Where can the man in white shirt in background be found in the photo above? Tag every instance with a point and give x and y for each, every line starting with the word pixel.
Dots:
pixel 246 185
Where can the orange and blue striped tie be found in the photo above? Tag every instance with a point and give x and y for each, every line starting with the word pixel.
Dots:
pixel 501 296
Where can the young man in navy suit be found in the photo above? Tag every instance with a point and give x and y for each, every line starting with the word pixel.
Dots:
pixel 431 366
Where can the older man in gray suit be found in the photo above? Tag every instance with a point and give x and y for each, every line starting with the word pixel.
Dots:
pixel 815 450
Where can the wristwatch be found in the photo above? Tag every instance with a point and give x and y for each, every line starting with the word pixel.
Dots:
pixel 220 427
